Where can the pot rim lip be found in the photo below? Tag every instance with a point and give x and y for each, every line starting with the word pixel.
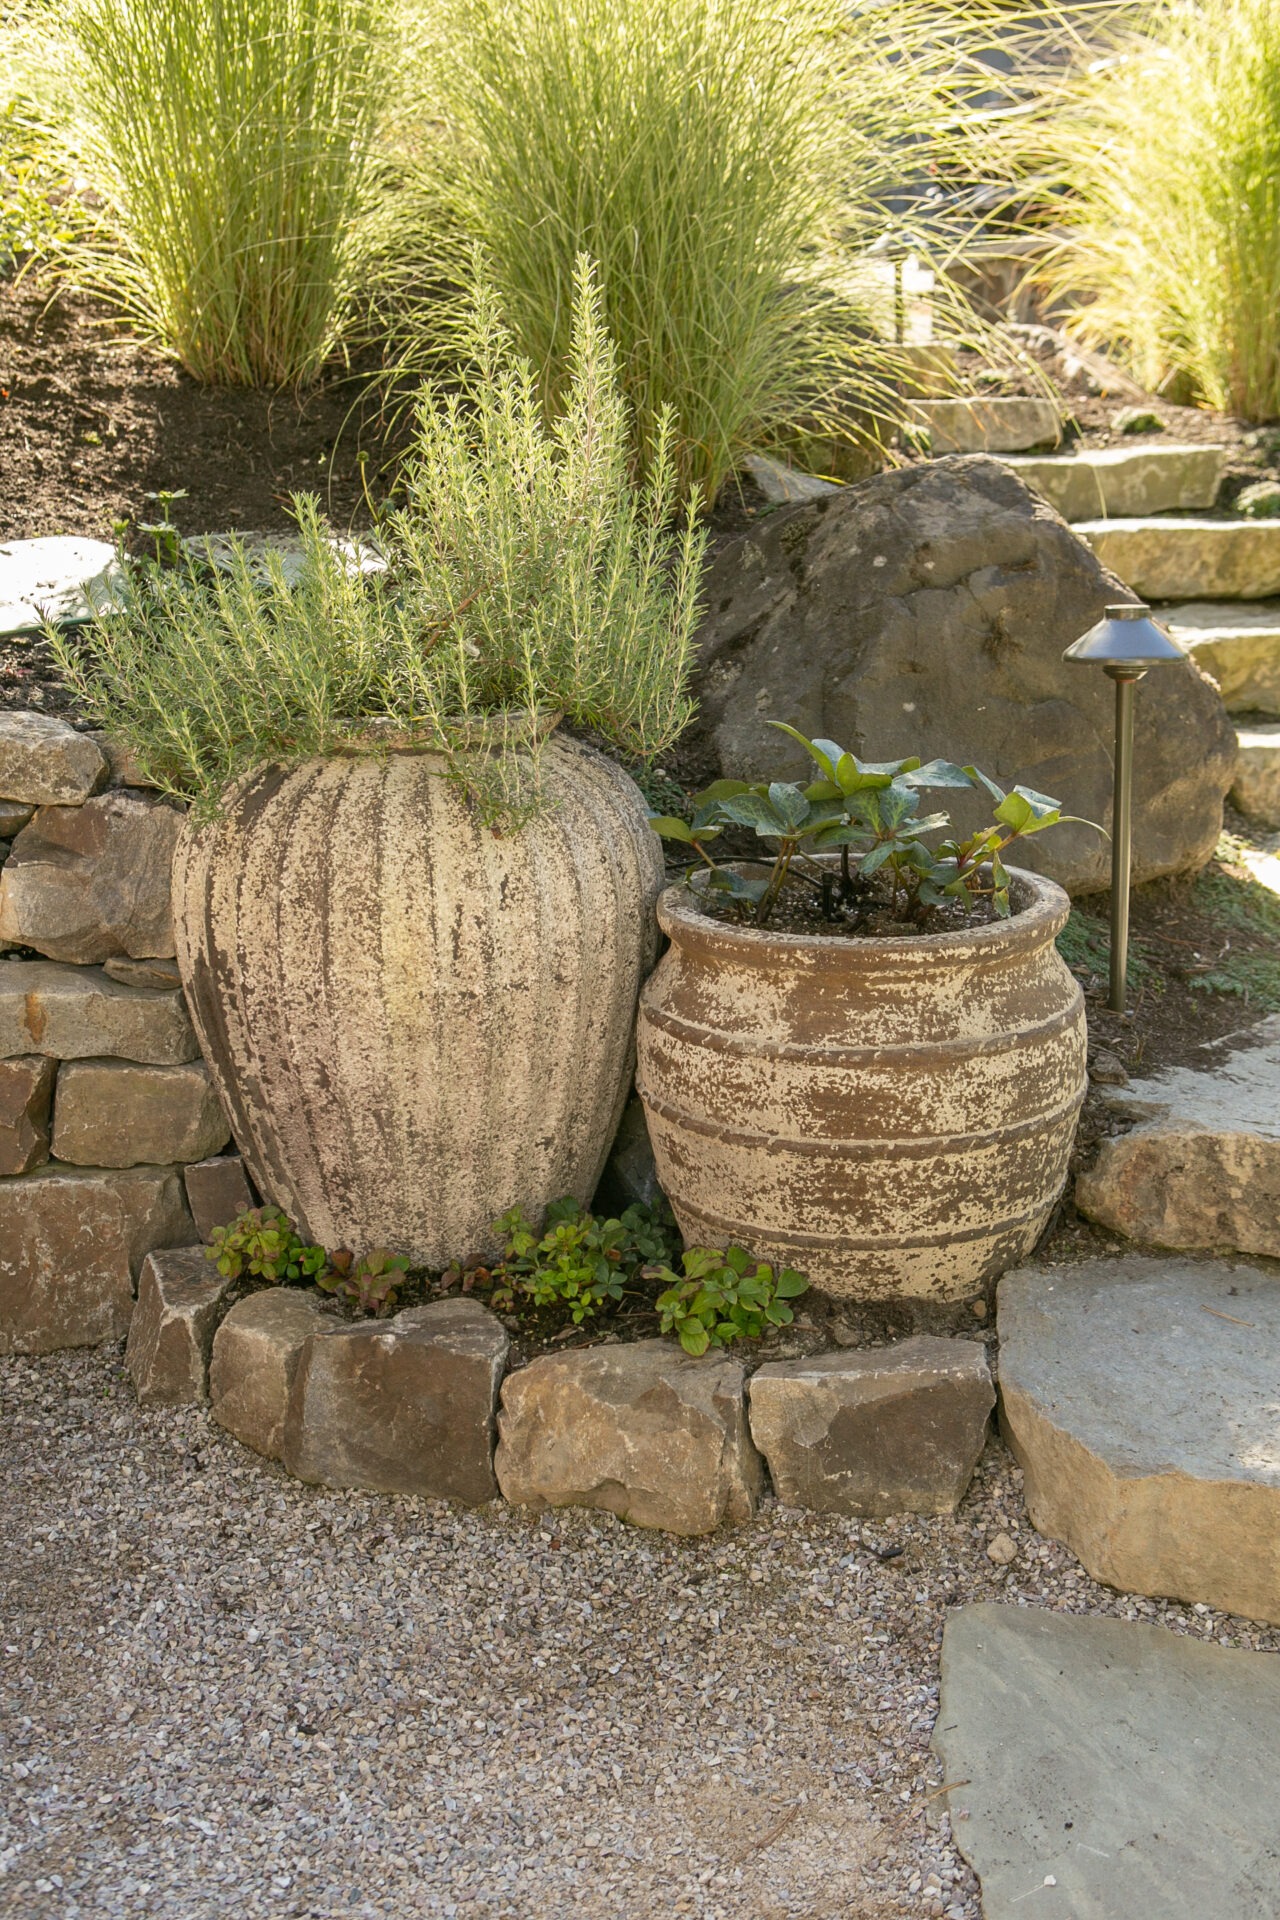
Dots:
pixel 1033 926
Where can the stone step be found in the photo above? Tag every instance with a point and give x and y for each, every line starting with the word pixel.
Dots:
pixel 1201 1168
pixel 1180 558
pixel 1138 1397
pixel 1238 643
pixel 996 425
pixel 1257 786
pixel 1124 480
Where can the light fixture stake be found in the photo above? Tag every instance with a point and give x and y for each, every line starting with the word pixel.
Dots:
pixel 1126 643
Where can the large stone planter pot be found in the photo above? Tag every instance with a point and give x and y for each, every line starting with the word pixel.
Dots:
pixel 415 1023
pixel 893 1117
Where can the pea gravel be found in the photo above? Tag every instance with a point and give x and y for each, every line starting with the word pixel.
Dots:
pixel 226 1694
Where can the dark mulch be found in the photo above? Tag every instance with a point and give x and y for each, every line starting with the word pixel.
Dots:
pixel 91 420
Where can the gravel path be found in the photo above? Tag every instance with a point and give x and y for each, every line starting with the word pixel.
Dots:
pixel 226 1694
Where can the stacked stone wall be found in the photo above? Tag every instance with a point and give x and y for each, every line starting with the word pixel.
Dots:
pixel 111 1133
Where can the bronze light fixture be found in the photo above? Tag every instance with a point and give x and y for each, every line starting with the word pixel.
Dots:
pixel 1125 643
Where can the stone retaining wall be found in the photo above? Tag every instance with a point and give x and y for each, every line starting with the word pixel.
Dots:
pixel 110 1130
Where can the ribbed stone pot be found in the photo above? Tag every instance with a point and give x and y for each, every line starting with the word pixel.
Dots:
pixel 892 1116
pixel 415 1023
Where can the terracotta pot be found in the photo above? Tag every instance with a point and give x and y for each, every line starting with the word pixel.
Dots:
pixel 893 1117
pixel 414 1023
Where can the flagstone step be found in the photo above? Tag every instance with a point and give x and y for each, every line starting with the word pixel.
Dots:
pixel 1124 480
pixel 1257 785
pixel 1139 1398
pixel 1201 1168
pixel 990 425
pixel 1238 642
pixel 1180 558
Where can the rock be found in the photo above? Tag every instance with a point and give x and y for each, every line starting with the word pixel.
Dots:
pixel 888 1430
pixel 401 1406
pixel 180 1300
pixel 218 1192
pixel 71 1242
pixel 780 484
pixel 256 1352
pixel 115 1113
pixel 1108 1770
pixel 1170 558
pixel 1257 784
pixel 925 612
pixel 1136 420
pixel 57 578
pixel 142 973
pixel 26 1090
pixel 86 882
pixel 74 1013
pixel 123 769
pixel 996 425
pixel 1261 501
pixel 1202 1167
pixel 1001 1550
pixel 1107 1069
pixel 630 1177
pixel 644 1431
pixel 1124 479
pixel 1238 642
pixel 46 763
pixel 1139 1397
pixel 14 815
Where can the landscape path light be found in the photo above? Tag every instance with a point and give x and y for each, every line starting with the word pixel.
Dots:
pixel 1125 643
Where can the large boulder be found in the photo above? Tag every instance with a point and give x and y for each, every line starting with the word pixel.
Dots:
pixel 925 612
pixel 84 883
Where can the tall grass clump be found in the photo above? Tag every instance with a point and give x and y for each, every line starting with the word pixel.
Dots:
pixel 727 164
pixel 526 579
pixel 232 142
pixel 1168 149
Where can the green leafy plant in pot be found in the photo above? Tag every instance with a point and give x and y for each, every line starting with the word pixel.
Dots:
pixel 412 917
pixel 865 1058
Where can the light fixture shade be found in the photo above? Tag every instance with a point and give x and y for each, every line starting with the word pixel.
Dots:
pixel 1126 636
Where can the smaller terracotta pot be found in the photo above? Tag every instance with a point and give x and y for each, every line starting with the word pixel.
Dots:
pixel 894 1117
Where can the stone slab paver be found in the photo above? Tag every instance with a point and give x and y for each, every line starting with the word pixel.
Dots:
pixel 994 425
pixel 1257 786
pixel 60 578
pixel 1141 1397
pixel 1110 1770
pixel 1238 642
pixel 1180 558
pixel 1202 1169
pixel 1124 480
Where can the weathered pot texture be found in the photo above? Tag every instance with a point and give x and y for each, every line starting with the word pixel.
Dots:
pixel 415 1023
pixel 892 1116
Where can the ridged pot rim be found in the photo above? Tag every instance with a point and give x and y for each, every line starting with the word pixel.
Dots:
pixel 999 941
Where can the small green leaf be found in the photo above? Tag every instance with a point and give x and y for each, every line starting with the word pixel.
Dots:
pixel 671 828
